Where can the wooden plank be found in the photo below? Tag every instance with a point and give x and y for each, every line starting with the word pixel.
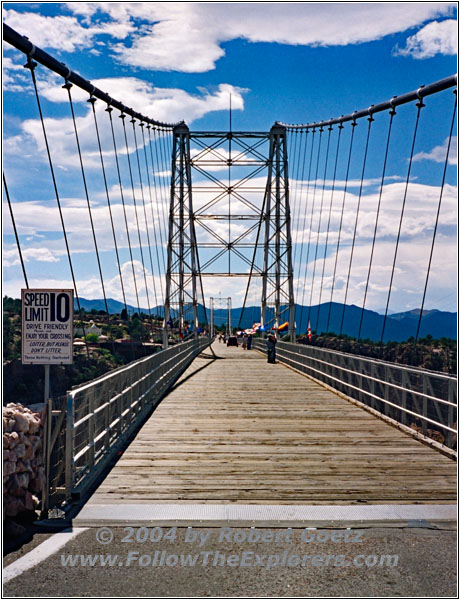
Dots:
pixel 240 430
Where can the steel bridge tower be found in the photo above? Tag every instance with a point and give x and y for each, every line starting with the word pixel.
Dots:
pixel 181 274
pixel 238 224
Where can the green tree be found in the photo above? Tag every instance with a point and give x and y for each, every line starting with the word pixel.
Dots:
pixel 92 338
pixel 136 330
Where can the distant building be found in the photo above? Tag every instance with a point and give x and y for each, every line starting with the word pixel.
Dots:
pixel 91 328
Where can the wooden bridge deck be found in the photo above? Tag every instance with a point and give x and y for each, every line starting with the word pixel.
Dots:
pixel 236 429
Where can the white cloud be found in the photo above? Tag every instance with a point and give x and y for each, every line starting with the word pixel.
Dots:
pixel 62 32
pixel 438 153
pixel 188 36
pixel 14 79
pixel 162 104
pixel 438 37
pixel 412 261
pixel 11 256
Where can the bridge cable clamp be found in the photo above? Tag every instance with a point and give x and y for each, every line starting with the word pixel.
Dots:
pixel 420 103
pixel 30 64
pixel 392 104
pixel 370 111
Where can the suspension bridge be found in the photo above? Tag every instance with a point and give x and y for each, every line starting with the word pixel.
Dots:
pixel 200 431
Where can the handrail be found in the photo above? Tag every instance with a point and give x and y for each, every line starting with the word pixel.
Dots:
pixel 422 92
pixel 350 379
pixel 102 413
pixel 25 46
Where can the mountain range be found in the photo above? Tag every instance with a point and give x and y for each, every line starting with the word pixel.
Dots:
pixel 398 327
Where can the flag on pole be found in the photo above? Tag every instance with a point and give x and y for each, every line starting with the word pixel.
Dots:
pixel 309 331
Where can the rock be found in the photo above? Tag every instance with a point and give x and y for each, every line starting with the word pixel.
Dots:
pixel 23 466
pixel 22 422
pixel 9 467
pixel 28 501
pixel 23 471
pixel 34 424
pixel 37 483
pixel 23 480
pixel 14 438
pixel 20 450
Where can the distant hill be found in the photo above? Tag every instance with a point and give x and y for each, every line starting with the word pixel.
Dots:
pixel 115 307
pixel 399 326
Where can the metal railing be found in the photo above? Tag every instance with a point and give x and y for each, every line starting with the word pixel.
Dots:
pixel 100 415
pixel 414 397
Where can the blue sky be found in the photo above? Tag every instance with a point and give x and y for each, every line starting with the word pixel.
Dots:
pixel 293 62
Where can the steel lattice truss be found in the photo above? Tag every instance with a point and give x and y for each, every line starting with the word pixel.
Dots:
pixel 238 224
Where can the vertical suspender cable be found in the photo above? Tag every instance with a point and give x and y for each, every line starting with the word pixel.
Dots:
pixel 353 125
pixel 392 114
pixel 158 201
pixel 319 225
pixel 15 232
pixel 306 208
pixel 31 66
pixel 92 100
pixel 299 197
pixel 419 105
pixel 446 162
pixel 370 119
pixel 109 110
pixel 311 224
pixel 67 86
pixel 145 212
pixel 151 210
pixel 123 117
pixel 329 223
pixel 164 196
pixel 296 161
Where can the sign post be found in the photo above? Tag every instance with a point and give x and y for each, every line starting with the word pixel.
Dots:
pixel 47 327
pixel 47 339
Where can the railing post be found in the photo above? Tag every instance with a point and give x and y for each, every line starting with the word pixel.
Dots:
pixel 386 391
pixel 450 414
pixel 47 453
pixel 69 444
pixel 91 428
pixel 424 404
pixel 403 399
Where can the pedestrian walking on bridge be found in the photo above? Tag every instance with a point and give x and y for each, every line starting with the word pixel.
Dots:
pixel 271 348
